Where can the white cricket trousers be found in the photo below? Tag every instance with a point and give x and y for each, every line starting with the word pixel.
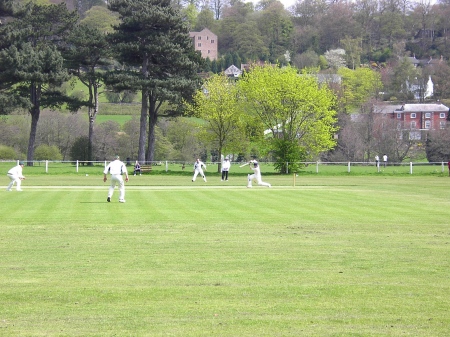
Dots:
pixel 258 180
pixel 14 179
pixel 116 179
pixel 197 171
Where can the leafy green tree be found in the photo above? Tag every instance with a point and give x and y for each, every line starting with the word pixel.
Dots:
pixel 403 76
pixel 337 23
pixel 217 103
pixel 47 152
pixel 308 59
pixel 31 64
pixel 359 86
pixel 7 152
pixel 153 39
pixel 392 26
pixel 87 51
pixel 276 29
pixel 182 133
pixel 247 40
pixel 190 13
pixel 79 149
pixel 125 96
pixel 352 51
pixel 205 19
pixel 101 18
pixel 293 109
pixel 85 5
pixel 436 146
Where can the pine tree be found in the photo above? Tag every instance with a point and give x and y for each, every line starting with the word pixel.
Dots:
pixel 153 43
pixel 31 65
pixel 88 49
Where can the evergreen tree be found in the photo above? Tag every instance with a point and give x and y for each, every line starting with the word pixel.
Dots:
pixel 207 66
pixel 153 38
pixel 6 8
pixel 31 65
pixel 214 66
pixel 88 49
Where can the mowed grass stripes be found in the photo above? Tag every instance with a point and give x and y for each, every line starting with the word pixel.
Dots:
pixel 345 256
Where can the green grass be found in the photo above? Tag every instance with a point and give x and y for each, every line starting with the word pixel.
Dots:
pixel 336 255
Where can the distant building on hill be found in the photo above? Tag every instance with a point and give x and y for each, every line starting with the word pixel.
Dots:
pixel 205 42
pixel 233 71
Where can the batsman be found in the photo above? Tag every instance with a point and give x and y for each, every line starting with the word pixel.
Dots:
pixel 254 166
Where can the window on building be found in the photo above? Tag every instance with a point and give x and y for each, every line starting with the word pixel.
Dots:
pixel 442 115
pixel 209 51
pixel 199 44
pixel 413 125
pixel 199 37
pixel 413 115
pixel 399 116
pixel 427 124
pixel 428 115
pixel 212 41
pixel 442 125
pixel 207 38
pixel 415 135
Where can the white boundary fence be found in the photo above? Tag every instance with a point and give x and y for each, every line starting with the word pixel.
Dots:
pixel 318 166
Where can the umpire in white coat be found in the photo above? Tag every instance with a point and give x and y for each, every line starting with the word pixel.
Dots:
pixel 225 168
pixel 116 168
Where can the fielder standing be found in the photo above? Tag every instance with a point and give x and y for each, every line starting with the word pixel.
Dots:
pixel 256 175
pixel 16 176
pixel 116 168
pixel 198 169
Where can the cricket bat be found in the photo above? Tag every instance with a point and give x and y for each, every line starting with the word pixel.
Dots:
pixel 244 165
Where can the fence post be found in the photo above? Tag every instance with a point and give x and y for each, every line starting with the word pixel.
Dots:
pixel 46 166
pixel 77 165
pixel 410 167
pixel 287 167
pixel 443 167
pixel 317 167
pixel 167 166
pixel 348 170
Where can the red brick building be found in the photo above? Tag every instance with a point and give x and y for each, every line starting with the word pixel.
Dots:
pixel 416 117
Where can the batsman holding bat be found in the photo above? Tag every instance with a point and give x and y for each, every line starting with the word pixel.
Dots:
pixel 254 166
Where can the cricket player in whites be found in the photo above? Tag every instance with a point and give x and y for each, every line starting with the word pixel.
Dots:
pixel 256 175
pixel 16 176
pixel 116 168
pixel 198 169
